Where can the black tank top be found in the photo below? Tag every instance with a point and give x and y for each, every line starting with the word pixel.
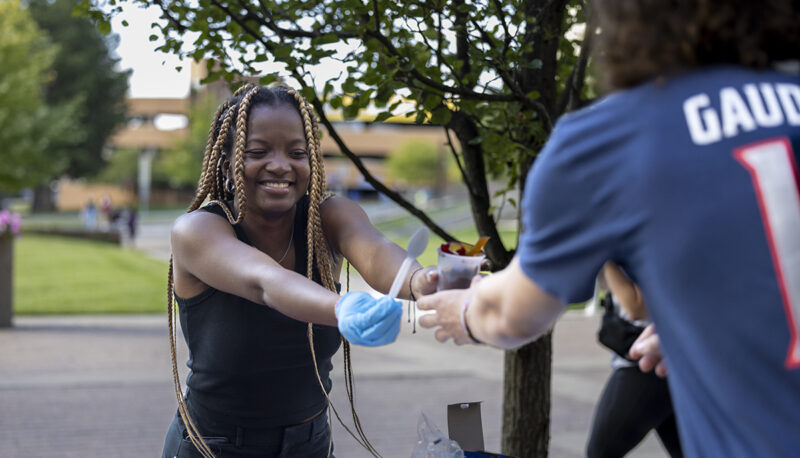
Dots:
pixel 250 365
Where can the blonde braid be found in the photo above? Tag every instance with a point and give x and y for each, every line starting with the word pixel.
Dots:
pixel 217 178
pixel 318 250
pixel 240 137
pixel 316 237
pixel 194 434
pixel 207 174
pixel 219 194
pixel 208 184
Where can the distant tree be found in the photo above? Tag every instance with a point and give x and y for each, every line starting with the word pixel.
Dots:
pixel 122 167
pixel 180 165
pixel 493 74
pixel 28 127
pixel 421 163
pixel 84 75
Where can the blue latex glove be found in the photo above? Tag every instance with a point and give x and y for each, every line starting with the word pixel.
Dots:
pixel 364 320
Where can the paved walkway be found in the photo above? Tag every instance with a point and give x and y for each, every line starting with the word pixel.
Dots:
pixel 100 386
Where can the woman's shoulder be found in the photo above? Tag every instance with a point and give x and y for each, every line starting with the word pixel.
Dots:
pixel 336 203
pixel 337 210
pixel 202 220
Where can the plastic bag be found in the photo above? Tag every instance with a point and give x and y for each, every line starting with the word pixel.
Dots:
pixel 432 443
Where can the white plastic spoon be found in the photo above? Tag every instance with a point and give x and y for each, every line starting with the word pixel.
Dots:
pixel 416 246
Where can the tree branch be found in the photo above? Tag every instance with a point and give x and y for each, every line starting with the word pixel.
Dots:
pixel 464 93
pixel 501 15
pixel 257 36
pixel 378 185
pixel 575 82
pixel 376 13
pixel 443 88
pixel 458 160
pixel 509 80
pixel 166 15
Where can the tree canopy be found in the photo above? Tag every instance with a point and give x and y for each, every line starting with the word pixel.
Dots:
pixel 494 74
pixel 84 75
pixel 28 126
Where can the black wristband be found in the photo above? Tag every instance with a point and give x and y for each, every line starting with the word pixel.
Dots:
pixel 465 325
pixel 410 282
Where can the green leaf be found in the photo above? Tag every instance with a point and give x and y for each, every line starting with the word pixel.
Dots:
pixel 441 116
pixel 104 26
pixel 308 93
pixel 326 39
pixel 351 111
pixel 282 52
pixel 267 79
pixel 383 116
pixel 431 101
pixel 349 86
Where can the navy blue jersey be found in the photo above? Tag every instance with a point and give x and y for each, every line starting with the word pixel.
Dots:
pixel 691 185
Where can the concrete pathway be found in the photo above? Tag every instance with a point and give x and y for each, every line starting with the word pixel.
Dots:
pixel 100 386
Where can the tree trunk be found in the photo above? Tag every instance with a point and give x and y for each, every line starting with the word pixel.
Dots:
pixel 526 391
pixel 43 201
pixel 526 399
pixel 479 198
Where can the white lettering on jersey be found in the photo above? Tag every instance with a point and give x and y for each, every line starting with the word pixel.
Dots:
pixel 707 129
pixel 790 99
pixel 774 173
pixel 754 106
pixel 735 113
pixel 769 116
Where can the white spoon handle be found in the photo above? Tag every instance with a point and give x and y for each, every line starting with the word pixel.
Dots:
pixel 401 275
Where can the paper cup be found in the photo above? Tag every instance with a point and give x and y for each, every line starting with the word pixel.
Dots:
pixel 455 271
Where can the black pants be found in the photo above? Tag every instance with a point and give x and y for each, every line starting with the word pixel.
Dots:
pixel 633 403
pixel 306 440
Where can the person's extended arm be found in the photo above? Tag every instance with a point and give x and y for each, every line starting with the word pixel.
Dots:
pixel 505 310
pixel 207 252
pixel 375 257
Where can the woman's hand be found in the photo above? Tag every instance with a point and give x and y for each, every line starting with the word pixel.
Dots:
pixel 364 320
pixel 647 349
pixel 424 281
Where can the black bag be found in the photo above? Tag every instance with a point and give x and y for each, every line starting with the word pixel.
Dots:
pixel 616 332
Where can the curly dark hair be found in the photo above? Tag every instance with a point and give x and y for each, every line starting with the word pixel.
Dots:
pixel 640 40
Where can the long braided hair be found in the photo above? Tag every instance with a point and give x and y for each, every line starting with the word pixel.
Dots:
pixel 226 138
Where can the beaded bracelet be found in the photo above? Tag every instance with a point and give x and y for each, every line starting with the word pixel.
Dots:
pixel 464 325
pixel 410 281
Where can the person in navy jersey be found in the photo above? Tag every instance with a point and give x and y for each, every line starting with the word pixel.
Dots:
pixel 686 176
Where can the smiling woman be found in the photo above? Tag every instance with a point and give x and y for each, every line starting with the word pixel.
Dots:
pixel 254 272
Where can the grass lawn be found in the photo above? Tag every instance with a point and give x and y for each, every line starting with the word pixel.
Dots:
pixel 65 276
